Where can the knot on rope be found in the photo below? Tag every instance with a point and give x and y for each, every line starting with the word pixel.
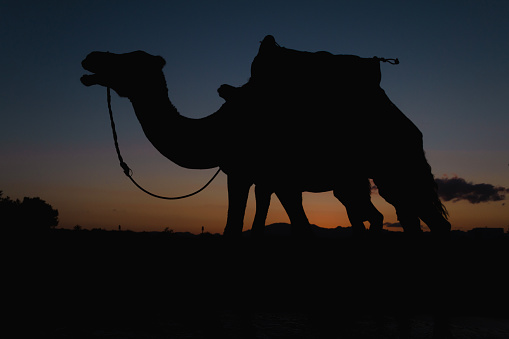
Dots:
pixel 127 170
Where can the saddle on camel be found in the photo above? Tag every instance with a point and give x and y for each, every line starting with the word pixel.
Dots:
pixel 287 72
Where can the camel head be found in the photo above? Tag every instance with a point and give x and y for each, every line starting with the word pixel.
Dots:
pixel 126 73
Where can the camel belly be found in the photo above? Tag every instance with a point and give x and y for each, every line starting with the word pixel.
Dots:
pixel 305 179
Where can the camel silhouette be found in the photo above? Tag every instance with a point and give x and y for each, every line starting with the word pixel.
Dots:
pixel 321 83
pixel 259 139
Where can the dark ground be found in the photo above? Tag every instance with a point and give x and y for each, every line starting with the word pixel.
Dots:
pixel 98 284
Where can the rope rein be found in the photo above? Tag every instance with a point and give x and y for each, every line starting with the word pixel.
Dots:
pixel 391 61
pixel 128 172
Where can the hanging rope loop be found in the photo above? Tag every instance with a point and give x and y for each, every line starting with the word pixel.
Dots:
pixel 129 173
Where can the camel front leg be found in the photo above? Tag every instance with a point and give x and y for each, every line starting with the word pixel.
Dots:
pixel 262 196
pixel 238 191
pixel 292 203
pixel 354 208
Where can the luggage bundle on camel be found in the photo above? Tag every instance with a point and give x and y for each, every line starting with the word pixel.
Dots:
pixel 283 72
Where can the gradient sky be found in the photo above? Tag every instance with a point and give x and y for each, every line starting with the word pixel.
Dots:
pixel 55 139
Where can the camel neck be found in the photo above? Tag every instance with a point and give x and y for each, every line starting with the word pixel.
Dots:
pixel 182 140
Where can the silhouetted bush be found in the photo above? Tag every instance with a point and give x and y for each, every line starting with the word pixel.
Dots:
pixel 31 214
pixel 9 211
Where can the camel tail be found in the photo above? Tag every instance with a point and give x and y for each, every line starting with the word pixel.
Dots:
pixel 438 203
pixel 433 189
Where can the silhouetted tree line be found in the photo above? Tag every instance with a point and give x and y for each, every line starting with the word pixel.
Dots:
pixel 30 214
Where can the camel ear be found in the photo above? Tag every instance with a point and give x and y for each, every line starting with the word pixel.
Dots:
pixel 160 61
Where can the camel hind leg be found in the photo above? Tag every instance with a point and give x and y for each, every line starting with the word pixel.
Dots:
pixel 238 192
pixel 408 219
pixel 402 201
pixel 433 212
pixel 361 211
pixel 422 203
pixel 374 217
pixel 407 215
pixel 436 222
pixel 356 197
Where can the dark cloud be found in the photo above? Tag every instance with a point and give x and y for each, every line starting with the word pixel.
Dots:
pixel 457 189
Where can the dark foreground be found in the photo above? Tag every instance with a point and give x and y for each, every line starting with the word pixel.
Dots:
pixel 71 284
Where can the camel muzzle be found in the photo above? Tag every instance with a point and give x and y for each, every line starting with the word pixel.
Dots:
pixel 89 80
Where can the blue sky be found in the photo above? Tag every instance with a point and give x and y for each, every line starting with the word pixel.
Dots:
pixel 55 142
